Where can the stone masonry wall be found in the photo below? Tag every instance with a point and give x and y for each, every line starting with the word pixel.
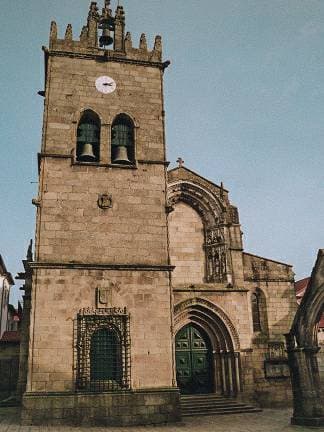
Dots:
pixel 69 290
pixel 71 89
pixel 73 228
pixel 186 233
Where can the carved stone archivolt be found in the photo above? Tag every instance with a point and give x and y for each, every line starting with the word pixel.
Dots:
pixel 207 313
pixel 214 215
pixel 208 206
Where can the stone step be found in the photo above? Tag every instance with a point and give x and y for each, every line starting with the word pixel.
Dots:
pixel 211 406
pixel 200 405
pixel 222 412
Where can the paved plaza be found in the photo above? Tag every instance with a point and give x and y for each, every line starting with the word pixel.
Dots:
pixel 266 421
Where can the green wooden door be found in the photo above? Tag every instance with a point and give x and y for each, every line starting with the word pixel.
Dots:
pixel 193 361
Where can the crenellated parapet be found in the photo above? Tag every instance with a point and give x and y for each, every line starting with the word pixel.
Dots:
pixel 104 36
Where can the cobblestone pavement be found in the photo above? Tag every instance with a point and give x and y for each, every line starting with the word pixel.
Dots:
pixel 266 421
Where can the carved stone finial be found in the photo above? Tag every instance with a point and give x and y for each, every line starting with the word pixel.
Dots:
pixel 93 11
pixel 128 41
pixel 158 44
pixel 68 33
pixel 120 14
pixel 180 162
pixel 53 31
pixel 143 43
pixel 106 11
pixel 29 255
pixel 222 190
pixel 84 34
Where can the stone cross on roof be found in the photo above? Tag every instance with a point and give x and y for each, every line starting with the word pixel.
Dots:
pixel 180 161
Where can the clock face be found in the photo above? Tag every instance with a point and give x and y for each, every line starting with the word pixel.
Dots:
pixel 105 84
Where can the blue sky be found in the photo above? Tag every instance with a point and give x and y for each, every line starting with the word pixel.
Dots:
pixel 244 103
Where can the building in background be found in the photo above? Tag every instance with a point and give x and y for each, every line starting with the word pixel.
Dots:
pixel 9 335
pixel 6 282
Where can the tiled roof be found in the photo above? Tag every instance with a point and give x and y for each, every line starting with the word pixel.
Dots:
pixel 10 336
pixel 300 287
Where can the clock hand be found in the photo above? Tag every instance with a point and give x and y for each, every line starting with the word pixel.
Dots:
pixel 107 84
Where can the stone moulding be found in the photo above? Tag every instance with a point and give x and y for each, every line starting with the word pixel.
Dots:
pixel 181 308
pixel 98 266
pixel 104 56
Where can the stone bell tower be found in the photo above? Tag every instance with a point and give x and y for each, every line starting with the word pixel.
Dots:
pixel 100 345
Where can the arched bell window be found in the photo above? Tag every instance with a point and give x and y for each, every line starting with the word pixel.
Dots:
pixel 88 138
pixel 122 140
pixel 105 357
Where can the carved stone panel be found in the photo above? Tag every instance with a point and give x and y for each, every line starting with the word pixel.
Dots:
pixel 216 255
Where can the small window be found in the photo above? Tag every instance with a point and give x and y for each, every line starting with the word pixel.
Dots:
pixel 88 138
pixel 122 140
pixel 255 299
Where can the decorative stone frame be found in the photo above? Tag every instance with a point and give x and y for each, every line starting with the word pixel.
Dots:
pixel 87 323
pixel 215 218
pixel 223 337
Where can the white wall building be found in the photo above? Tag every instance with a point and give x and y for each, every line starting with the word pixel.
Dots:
pixel 6 282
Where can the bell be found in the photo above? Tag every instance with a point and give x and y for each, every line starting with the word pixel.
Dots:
pixel 105 39
pixel 121 156
pixel 87 154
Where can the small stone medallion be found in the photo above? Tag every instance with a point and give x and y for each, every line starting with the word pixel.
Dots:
pixel 105 201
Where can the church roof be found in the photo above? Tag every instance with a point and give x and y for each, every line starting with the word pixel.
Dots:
pixel 184 173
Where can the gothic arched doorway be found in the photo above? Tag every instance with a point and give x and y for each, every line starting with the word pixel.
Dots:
pixel 217 345
pixel 193 360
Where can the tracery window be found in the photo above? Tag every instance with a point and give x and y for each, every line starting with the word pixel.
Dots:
pixel 122 140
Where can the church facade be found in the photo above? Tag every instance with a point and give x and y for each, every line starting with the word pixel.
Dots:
pixel 139 289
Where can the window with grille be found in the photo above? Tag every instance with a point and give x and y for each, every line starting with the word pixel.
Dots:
pixel 102 350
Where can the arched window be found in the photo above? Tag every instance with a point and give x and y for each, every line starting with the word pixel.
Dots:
pixel 122 140
pixel 105 357
pixel 259 312
pixel 88 138
pixel 256 317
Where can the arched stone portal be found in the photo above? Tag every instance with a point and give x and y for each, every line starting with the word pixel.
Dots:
pixel 302 347
pixel 194 360
pixel 201 322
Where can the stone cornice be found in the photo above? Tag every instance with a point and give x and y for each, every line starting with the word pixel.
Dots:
pixel 99 266
pixel 104 56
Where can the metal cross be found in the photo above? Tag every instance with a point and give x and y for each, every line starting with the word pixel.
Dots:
pixel 180 161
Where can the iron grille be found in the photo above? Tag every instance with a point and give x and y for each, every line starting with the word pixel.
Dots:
pixel 102 350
